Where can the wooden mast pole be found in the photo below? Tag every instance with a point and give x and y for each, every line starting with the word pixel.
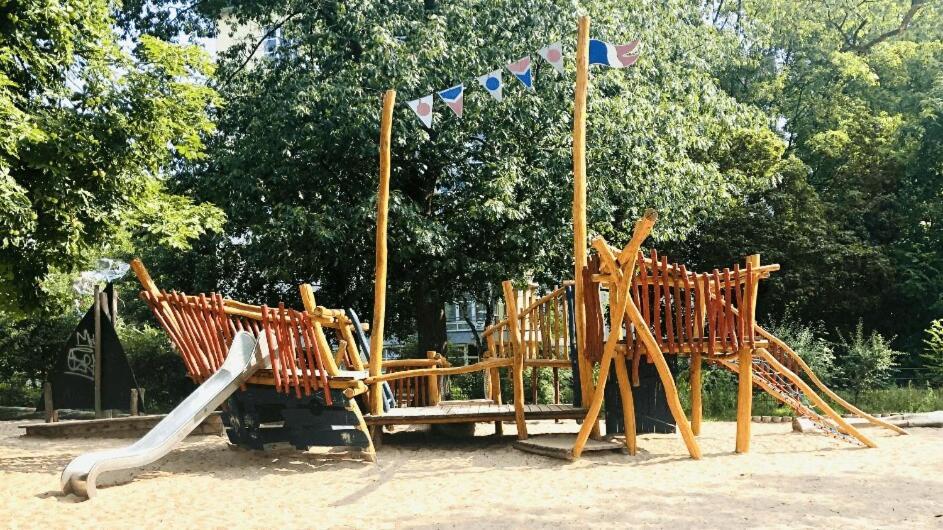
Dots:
pixel 379 286
pixel 745 373
pixel 579 205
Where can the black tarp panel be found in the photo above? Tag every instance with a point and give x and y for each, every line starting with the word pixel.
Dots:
pixel 73 377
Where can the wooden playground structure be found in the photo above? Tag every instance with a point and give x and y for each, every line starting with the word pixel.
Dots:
pixel 325 384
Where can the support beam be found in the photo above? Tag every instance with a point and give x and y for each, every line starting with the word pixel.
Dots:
pixel 379 286
pixel 517 367
pixel 98 353
pixel 620 299
pixel 696 394
pixel 745 373
pixel 433 385
pixel 628 404
pixel 667 380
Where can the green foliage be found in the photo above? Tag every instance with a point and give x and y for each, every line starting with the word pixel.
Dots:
pixel 808 341
pixel 909 398
pixel 857 223
pixel 474 201
pixel 933 354
pixel 88 132
pixel 157 367
pixel 28 351
pixel 866 360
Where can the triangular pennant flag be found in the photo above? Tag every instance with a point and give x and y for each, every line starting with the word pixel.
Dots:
pixel 423 108
pixel 493 84
pixel 453 97
pixel 614 55
pixel 521 70
pixel 553 54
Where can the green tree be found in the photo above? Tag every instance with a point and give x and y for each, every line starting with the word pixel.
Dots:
pixel 88 134
pixel 857 221
pixel 474 201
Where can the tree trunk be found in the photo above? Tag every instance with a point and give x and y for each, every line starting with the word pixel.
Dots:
pixel 430 320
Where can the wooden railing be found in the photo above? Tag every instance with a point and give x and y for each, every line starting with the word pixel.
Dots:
pixel 544 327
pixel 691 312
pixel 545 338
pixel 416 390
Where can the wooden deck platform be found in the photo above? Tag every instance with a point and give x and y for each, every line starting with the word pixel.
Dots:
pixel 464 412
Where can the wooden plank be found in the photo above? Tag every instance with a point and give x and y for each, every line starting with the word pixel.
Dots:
pixel 483 413
pixel 560 446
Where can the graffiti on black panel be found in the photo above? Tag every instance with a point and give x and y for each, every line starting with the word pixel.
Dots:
pixel 80 359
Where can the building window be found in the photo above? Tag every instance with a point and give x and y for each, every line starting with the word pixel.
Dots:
pixel 272 42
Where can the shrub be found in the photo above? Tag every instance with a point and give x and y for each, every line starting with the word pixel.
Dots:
pixel 28 350
pixel 157 368
pixel 807 341
pixel 933 355
pixel 866 360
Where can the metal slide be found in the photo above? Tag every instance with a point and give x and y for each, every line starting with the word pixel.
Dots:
pixel 81 476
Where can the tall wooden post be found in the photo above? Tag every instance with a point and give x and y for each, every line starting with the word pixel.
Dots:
pixel 433 385
pixel 379 287
pixel 114 306
pixel 579 205
pixel 745 371
pixel 517 368
pixel 696 400
pixel 52 415
pixel 134 402
pixel 98 352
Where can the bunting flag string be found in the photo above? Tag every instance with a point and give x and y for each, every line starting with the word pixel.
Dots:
pixel 600 52
pixel 522 71
pixel 453 97
pixel 553 54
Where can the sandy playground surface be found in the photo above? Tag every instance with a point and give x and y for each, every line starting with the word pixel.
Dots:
pixel 424 481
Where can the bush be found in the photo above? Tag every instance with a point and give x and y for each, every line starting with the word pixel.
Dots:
pixel 910 398
pixel 866 361
pixel 807 341
pixel 28 350
pixel 933 355
pixel 157 367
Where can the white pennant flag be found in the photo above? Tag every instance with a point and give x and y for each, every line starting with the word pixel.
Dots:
pixel 553 54
pixel 493 84
pixel 423 109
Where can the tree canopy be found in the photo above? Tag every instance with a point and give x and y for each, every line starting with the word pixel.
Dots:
pixel 88 131
pixel 808 131
pixel 476 200
pixel 855 88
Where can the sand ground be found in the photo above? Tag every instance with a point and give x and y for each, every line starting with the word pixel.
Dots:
pixel 425 481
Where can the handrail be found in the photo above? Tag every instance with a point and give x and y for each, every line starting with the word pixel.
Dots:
pixel 821 386
pixel 542 325
pixel 416 363
pixel 455 370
